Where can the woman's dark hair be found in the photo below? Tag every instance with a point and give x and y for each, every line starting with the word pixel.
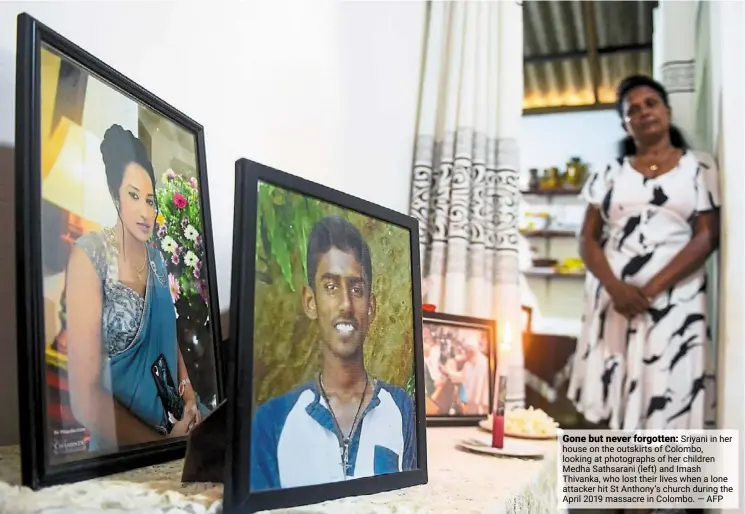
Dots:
pixel 119 148
pixel 627 145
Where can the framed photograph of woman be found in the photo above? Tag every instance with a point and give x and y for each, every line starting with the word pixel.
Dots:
pixel 460 360
pixel 118 325
pixel 327 398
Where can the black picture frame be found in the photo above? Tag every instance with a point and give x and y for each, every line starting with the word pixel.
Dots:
pixel 237 494
pixel 37 471
pixel 457 321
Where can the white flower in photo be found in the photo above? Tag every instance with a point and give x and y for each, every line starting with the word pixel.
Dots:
pixel 190 259
pixel 191 233
pixel 168 245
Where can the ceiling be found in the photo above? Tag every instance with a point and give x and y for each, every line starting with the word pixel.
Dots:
pixel 576 52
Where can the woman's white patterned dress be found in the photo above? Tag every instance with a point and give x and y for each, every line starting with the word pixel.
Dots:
pixel 656 371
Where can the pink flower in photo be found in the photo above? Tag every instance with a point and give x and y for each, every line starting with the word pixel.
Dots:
pixel 179 200
pixel 170 175
pixel 193 182
pixel 174 287
pixel 203 290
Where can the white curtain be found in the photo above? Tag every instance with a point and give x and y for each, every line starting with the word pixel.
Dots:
pixel 465 177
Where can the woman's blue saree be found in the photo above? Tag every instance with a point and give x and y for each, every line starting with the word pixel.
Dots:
pixel 133 383
pixel 130 375
pixel 139 341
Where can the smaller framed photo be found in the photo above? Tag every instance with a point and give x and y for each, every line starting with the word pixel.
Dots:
pixel 460 360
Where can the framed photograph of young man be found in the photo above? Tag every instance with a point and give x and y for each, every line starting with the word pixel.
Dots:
pixel 118 325
pixel 459 367
pixel 327 393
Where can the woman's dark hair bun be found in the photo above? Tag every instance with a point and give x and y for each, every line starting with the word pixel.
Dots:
pixel 119 148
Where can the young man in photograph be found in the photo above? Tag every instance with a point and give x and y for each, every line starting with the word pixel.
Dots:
pixel 344 424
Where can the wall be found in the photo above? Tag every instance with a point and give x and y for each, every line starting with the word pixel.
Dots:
pixel 728 82
pixel 8 390
pixel 326 89
pixel 381 46
pixel 551 140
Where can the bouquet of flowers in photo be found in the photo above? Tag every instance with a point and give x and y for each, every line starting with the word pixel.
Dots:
pixel 178 233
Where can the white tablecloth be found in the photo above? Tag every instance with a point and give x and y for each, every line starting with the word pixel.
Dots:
pixel 458 482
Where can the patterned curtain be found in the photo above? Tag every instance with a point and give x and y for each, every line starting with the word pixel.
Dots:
pixel 465 178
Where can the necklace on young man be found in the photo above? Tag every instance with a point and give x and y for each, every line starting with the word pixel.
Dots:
pixel 345 439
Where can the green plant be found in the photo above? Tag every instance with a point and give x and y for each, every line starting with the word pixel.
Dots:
pixel 410 385
pixel 178 232
pixel 284 220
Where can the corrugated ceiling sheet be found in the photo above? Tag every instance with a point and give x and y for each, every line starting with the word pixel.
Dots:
pixel 557 68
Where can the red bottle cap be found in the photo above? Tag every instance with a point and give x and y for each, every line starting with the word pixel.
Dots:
pixel 428 307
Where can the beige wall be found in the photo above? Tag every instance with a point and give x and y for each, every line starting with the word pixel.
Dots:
pixel 728 45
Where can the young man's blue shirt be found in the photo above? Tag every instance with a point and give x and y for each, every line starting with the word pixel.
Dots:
pixel 295 442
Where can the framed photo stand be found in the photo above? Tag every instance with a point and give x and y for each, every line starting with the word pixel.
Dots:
pixel 118 324
pixel 326 398
pixel 460 362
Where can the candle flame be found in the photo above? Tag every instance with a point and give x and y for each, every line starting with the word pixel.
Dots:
pixel 505 343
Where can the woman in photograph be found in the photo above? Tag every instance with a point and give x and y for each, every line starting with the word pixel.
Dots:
pixel 643 358
pixel 121 321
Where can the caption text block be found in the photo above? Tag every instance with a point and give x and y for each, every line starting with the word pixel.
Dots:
pixel 667 469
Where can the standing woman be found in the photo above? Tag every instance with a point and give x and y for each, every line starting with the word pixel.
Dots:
pixel 643 359
pixel 121 322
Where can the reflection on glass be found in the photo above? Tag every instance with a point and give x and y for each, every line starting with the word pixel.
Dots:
pixel 128 340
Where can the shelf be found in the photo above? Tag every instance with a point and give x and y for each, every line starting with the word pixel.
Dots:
pixel 551 273
pixel 552 192
pixel 548 233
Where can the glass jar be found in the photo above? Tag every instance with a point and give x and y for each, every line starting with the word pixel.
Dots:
pixel 551 179
pixel 574 174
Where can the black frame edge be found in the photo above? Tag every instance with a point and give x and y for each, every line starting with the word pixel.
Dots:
pixel 32 460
